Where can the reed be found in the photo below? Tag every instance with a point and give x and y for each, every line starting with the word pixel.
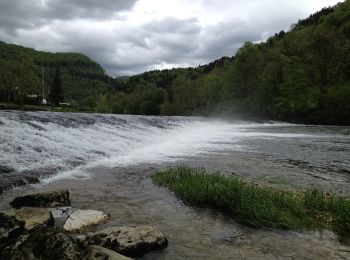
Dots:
pixel 256 206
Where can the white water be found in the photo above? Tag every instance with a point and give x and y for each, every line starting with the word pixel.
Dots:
pixel 64 145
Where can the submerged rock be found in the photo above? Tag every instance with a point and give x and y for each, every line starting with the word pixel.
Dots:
pixel 46 199
pixel 101 253
pixel 128 241
pixel 81 218
pixel 8 180
pixel 33 217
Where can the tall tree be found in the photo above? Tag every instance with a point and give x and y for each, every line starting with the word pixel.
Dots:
pixel 56 89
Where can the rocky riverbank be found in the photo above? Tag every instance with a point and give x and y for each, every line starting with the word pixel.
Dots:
pixel 43 226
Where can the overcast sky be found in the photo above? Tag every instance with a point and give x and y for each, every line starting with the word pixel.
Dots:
pixel 131 36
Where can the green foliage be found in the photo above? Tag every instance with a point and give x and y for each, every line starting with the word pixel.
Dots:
pixel 257 206
pixel 144 100
pixel 20 74
pixel 103 105
pixel 299 76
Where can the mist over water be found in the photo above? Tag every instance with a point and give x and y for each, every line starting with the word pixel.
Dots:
pixel 64 144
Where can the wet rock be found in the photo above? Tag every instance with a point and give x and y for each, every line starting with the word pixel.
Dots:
pixel 44 243
pixel 18 250
pixel 81 218
pixel 51 244
pixel 33 217
pixel 8 180
pixel 5 169
pixel 101 253
pixel 128 241
pixel 61 215
pixel 10 229
pixel 46 199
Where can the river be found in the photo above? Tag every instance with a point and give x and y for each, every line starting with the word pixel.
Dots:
pixel 106 162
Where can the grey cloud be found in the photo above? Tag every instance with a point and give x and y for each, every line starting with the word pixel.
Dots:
pixel 16 14
pixel 129 48
pixel 174 25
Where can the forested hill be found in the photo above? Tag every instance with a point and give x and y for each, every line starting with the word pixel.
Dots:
pixel 83 80
pixel 302 75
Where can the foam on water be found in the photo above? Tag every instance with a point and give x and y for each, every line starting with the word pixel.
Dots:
pixel 66 144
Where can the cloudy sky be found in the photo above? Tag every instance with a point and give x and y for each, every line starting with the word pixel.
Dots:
pixel 132 36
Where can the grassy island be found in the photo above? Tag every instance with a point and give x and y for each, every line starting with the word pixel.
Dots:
pixel 254 205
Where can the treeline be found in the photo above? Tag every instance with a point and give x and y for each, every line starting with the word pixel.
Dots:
pixel 21 69
pixel 301 76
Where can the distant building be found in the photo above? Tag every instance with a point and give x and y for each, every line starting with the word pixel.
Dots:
pixel 66 105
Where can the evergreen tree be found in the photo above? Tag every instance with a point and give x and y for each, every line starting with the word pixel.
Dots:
pixel 56 89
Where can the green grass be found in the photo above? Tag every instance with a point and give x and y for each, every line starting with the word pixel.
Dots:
pixel 257 206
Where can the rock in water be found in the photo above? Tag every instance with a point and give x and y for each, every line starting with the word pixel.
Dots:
pixel 101 253
pixel 60 215
pixel 81 218
pixel 48 243
pixel 128 241
pixel 46 199
pixel 33 217
pixel 10 229
pixel 43 243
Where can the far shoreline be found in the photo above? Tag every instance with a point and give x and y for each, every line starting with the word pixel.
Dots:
pixel 224 116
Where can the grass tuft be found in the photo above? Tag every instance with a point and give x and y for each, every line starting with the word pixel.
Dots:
pixel 257 206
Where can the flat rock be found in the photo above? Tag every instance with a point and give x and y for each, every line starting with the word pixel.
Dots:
pixel 33 217
pixel 45 199
pixel 102 253
pixel 81 218
pixel 128 241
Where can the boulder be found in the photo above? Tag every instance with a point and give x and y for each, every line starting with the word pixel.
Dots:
pixel 60 215
pixel 130 241
pixel 43 243
pixel 10 229
pixel 52 244
pixel 46 199
pixel 101 253
pixel 82 218
pixel 33 217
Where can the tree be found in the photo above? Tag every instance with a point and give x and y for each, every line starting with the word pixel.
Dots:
pixel 56 89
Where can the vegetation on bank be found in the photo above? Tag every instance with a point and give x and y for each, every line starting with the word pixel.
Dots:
pixel 25 107
pixel 254 205
pixel 23 69
pixel 301 75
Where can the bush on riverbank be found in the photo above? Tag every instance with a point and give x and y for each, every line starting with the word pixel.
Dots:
pixel 257 206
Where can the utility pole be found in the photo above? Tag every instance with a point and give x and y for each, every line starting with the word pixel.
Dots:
pixel 44 102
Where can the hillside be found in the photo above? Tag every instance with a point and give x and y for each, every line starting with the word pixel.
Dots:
pixel 83 80
pixel 302 75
